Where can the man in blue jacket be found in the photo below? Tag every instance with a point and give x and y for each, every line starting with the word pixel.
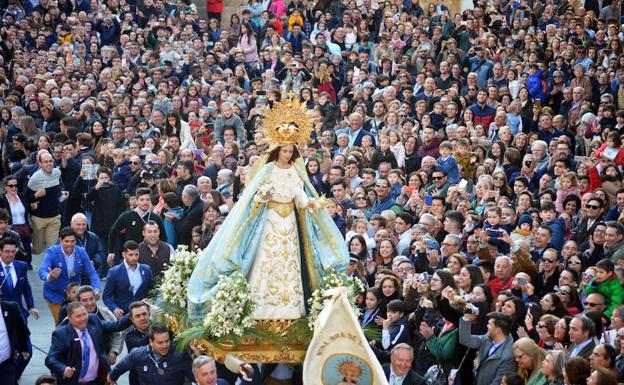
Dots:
pixel 355 130
pixel 384 199
pixel 64 263
pixel 77 354
pixel 14 286
pixel 127 282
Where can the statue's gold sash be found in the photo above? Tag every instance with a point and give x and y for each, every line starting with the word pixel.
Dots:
pixel 283 209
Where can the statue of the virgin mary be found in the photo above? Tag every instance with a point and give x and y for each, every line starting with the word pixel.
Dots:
pixel 278 234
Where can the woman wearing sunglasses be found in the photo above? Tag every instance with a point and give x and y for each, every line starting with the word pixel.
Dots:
pixel 18 209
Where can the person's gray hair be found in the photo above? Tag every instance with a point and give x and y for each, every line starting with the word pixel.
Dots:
pixel 587 119
pixel 191 190
pixel 203 178
pixel 78 216
pixel 456 238
pixel 388 213
pixel 389 90
pixel 429 217
pixel 540 143
pixel 559 360
pixel 335 57
pixel 18 110
pixel 608 96
pixel 504 258
pixel 356 114
pixel 201 361
pixel 587 325
pixel 485 178
pixel 400 346
pixel 226 174
pixel 579 89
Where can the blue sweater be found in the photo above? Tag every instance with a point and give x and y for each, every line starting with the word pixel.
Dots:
pixel 534 85
pixel 495 237
pixel 122 175
pixel 449 166
pixel 557 229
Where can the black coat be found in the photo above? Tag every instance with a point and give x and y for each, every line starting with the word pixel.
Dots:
pixel 107 204
pixel 191 217
pixel 16 327
pixel 583 231
pixel 65 349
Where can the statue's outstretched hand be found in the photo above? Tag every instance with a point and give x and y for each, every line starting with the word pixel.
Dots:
pixel 318 203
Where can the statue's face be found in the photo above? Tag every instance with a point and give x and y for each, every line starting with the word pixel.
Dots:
pixel 286 153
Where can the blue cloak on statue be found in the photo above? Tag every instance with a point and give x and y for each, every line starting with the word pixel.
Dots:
pixel 235 245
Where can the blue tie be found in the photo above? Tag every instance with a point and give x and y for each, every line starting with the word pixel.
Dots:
pixel 86 353
pixel 9 279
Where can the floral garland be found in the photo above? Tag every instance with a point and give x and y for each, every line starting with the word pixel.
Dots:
pixel 323 294
pixel 173 288
pixel 231 313
pixel 232 308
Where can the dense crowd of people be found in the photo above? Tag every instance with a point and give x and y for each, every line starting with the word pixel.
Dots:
pixel 474 162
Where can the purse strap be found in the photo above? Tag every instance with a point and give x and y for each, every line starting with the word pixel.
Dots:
pixel 463 359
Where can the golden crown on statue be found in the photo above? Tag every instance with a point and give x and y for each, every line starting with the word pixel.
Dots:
pixel 288 122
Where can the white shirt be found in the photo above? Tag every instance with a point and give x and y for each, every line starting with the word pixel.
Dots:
pixel 134 276
pixel 92 370
pixel 395 379
pixel 70 260
pixel 13 274
pixel 18 212
pixel 5 343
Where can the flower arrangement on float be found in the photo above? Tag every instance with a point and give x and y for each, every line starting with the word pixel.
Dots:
pixel 173 287
pixel 232 308
pixel 230 322
pixel 322 295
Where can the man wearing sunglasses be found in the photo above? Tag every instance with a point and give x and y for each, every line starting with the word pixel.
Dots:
pixel 595 302
pixel 384 199
pixel 594 209
pixel 549 277
pixel 439 185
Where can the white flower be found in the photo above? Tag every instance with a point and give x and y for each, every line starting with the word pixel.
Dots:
pixel 266 188
pixel 173 288
pixel 232 308
pixel 321 296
